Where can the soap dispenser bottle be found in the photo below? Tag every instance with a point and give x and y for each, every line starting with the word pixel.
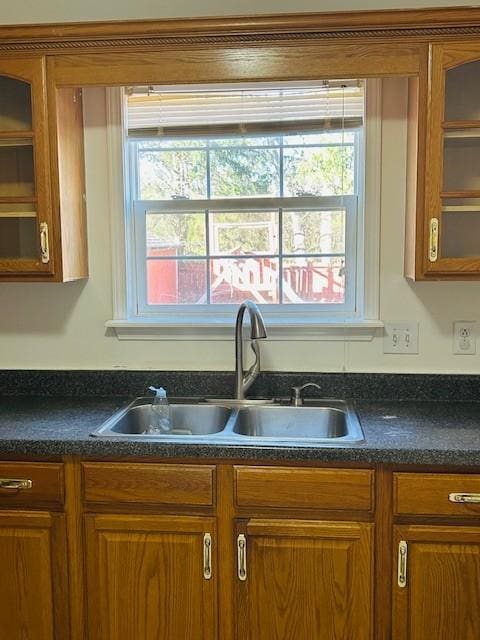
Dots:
pixel 160 412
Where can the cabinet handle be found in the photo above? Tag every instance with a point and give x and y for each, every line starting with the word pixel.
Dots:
pixel 242 557
pixel 402 564
pixel 433 240
pixel 207 556
pixel 44 245
pixel 472 498
pixel 11 483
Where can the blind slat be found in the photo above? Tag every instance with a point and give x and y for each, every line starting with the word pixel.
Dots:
pixel 245 111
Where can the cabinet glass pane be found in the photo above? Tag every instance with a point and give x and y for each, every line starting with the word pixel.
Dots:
pixel 461 160
pixel 18 231
pixel 15 105
pixel 16 168
pixel 462 92
pixel 460 228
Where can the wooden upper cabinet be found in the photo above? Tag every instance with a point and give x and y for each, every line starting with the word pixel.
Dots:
pixel 25 215
pixel 151 577
pixel 437 597
pixel 443 234
pixel 304 579
pixel 42 218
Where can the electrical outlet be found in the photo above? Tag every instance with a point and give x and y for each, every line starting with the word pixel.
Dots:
pixel 464 339
pixel 401 337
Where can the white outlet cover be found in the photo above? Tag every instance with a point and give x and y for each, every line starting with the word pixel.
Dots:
pixel 401 337
pixel 464 338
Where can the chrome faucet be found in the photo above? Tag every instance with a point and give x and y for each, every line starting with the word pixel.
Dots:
pixel 296 398
pixel 243 381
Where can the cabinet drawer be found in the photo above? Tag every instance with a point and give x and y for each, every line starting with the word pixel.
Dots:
pixel 37 482
pixel 436 494
pixel 144 483
pixel 304 488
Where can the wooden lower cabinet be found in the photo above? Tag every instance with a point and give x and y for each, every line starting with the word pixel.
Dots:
pixel 33 579
pixel 148 577
pixel 304 580
pixel 442 583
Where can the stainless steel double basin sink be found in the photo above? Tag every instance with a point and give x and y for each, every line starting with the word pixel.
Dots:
pixel 325 422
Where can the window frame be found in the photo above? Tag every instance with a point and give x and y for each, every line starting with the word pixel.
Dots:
pixel 301 322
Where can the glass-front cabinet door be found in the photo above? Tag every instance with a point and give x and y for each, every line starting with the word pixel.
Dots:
pixel 24 215
pixel 453 162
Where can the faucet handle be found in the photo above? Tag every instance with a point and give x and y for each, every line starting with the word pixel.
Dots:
pixel 296 393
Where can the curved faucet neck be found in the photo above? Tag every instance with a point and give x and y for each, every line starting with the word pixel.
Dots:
pixel 243 382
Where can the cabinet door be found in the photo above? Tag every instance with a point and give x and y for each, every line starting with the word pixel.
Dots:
pixel 436 592
pixel 452 193
pixel 299 580
pixel 151 577
pixel 33 582
pixel 25 217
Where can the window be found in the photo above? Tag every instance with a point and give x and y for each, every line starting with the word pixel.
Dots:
pixel 245 193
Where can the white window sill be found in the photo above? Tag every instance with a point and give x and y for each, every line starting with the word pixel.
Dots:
pixel 333 330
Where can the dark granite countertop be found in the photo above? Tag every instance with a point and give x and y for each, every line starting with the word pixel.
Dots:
pixel 406 432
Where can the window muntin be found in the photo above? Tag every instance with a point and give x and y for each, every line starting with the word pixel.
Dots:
pixel 270 217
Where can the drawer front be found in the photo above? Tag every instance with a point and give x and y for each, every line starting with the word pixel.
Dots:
pixel 144 483
pixel 304 488
pixel 436 494
pixel 29 483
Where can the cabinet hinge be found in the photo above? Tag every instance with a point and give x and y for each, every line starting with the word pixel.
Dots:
pixel 433 240
pixel 44 244
pixel 402 564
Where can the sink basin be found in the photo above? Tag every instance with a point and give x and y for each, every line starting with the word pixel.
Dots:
pixel 326 422
pixel 186 420
pixel 311 423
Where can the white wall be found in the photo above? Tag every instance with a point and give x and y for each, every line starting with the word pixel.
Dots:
pixel 62 326
pixel 33 11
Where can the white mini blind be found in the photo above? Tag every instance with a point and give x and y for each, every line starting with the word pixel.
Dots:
pixel 153 112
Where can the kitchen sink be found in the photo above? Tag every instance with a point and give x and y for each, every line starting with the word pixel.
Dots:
pixel 326 422
pixel 311 423
pixel 185 419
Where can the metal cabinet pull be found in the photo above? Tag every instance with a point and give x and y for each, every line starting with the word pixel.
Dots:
pixel 44 246
pixel 207 556
pixel 472 498
pixel 433 240
pixel 242 557
pixel 12 483
pixel 402 564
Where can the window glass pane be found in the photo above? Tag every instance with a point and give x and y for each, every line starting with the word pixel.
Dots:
pixel 18 235
pixel 244 172
pixel 171 143
pixel 176 234
pixel 252 141
pixel 15 105
pixel 318 280
pixel 176 282
pixel 323 171
pixel 234 279
pixel 17 176
pixel 330 137
pixel 243 232
pixel 313 231
pixel 166 175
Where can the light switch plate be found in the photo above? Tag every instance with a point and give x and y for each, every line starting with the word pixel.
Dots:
pixel 401 337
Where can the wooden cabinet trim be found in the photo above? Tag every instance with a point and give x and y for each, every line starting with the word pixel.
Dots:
pixel 145 483
pixel 386 25
pixel 304 488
